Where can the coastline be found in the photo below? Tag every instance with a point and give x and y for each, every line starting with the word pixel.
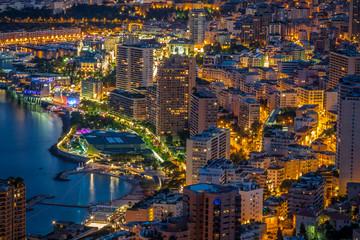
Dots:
pixel 134 194
pixel 62 126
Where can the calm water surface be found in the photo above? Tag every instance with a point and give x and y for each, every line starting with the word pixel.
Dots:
pixel 26 134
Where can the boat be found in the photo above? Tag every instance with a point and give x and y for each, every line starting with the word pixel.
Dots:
pixel 7 56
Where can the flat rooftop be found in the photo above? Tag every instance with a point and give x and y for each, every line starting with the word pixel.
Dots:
pixel 211 188
pixel 204 94
pixel 208 134
pixel 127 94
pixel 112 138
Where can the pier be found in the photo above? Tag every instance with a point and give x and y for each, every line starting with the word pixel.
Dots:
pixel 36 200
pixel 63 205
pixel 64 175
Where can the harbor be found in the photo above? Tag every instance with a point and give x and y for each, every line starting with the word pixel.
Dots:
pixel 34 130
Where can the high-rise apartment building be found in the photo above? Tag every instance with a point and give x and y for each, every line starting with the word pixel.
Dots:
pixel 213 143
pixel 251 201
pixel 13 209
pixel 176 79
pixel 151 104
pixel 203 111
pixel 342 63
pixel 218 171
pixel 211 211
pixel 91 89
pixel 348 131
pixel 249 112
pixel 311 96
pixel 307 192
pixel 354 18
pixel 134 66
pixel 196 24
pixel 129 104
pixel 287 98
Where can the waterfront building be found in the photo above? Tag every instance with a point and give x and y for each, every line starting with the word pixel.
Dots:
pixel 41 84
pixel 129 104
pixel 203 111
pixel 91 89
pixel 111 142
pixel 196 25
pixel 15 37
pixel 307 192
pixel 68 98
pixel 342 63
pixel 213 143
pixel 134 66
pixel 211 211
pixel 13 211
pixel 348 132
pixel 176 79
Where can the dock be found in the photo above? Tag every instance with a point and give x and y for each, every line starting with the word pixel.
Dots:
pixel 64 205
pixel 64 175
pixel 36 200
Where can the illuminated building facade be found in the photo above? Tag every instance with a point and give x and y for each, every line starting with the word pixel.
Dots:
pixel 129 104
pixel 42 35
pixel 311 96
pixel 354 19
pixel 251 196
pixel 213 143
pixel 307 192
pixel 134 66
pixel 176 79
pixel 196 25
pixel 13 210
pixel 92 89
pixel 348 132
pixel 181 46
pixel 211 211
pixel 203 111
pixel 249 112
pixel 342 63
